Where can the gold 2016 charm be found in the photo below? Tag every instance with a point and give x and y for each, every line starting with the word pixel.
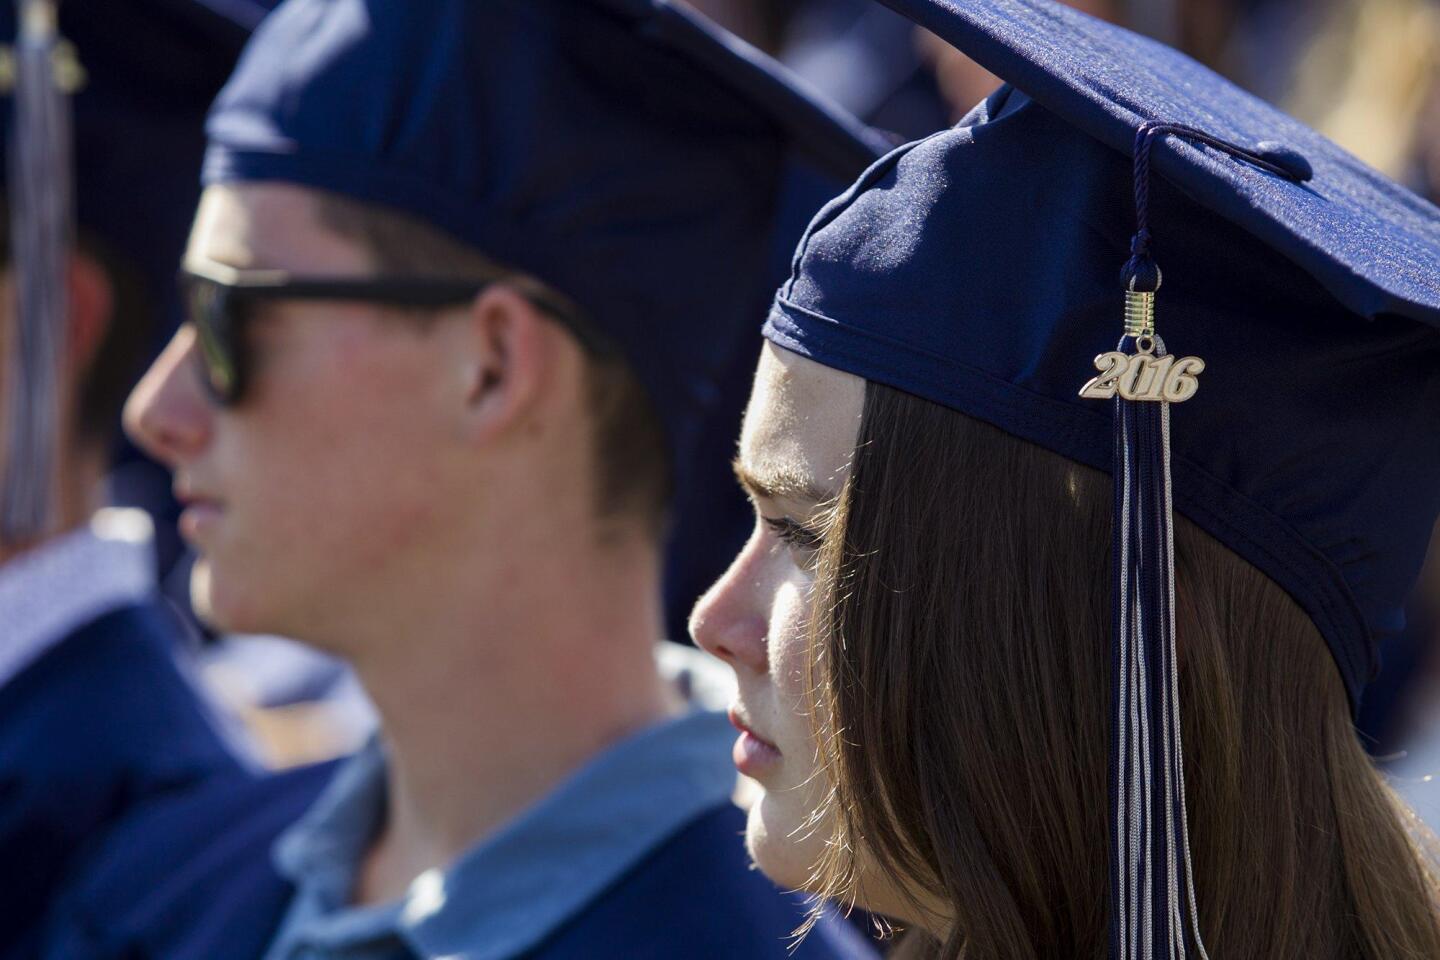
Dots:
pixel 1144 376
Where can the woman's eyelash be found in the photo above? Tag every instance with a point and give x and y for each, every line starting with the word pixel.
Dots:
pixel 793 533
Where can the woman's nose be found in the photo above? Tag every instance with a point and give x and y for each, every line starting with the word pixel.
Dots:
pixel 731 620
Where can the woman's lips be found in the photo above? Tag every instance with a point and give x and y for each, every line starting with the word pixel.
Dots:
pixel 753 754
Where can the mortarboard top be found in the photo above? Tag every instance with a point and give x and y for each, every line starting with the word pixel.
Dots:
pixel 979 268
pixel 622 151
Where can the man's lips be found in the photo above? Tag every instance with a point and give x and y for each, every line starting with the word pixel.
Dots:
pixel 188 492
pixel 201 513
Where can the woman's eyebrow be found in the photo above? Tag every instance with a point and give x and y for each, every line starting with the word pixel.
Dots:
pixel 778 484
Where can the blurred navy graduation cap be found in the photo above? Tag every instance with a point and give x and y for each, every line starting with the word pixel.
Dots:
pixel 152 69
pixel 148 72
pixel 868 59
pixel 981 269
pixel 624 152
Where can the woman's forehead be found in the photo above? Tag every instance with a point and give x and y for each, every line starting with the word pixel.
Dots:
pixel 802 422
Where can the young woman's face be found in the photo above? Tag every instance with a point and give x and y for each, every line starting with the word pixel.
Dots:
pixel 795 452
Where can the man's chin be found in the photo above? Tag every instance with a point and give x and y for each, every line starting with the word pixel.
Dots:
pixel 212 606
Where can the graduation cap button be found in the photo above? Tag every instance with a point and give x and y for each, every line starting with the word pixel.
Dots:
pixel 1289 159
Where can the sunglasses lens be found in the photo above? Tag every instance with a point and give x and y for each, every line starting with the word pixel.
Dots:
pixel 210 308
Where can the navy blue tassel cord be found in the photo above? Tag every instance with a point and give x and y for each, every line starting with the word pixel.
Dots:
pixel 1140 272
pixel 1153 902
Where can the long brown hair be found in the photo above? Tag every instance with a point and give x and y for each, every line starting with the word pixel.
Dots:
pixel 960 670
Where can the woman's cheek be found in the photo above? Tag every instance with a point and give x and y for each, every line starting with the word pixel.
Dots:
pixel 788 638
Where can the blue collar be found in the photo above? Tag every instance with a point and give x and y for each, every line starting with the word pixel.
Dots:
pixel 521 884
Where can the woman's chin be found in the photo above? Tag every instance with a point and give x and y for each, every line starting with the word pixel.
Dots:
pixel 785 845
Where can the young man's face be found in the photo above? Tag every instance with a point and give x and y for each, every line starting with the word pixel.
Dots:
pixel 310 495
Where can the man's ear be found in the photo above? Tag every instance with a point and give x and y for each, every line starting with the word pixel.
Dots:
pixel 92 300
pixel 507 355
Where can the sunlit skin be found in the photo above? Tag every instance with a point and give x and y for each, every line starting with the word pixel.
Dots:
pixel 795 449
pixel 418 499
pixel 795 453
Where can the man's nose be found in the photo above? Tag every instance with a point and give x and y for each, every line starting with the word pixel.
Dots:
pixel 168 414
pixel 731 619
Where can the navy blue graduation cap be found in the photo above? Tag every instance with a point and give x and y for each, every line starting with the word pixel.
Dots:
pixel 982 268
pixel 624 152
pixel 118 162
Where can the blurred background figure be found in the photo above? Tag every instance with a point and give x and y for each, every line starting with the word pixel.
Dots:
pixel 858 52
pixel 97 711
pixel 1364 72
pixel 582 221
pixel 866 57
pixel 1368 75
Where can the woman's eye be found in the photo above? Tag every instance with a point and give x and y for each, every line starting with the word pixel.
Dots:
pixel 793 533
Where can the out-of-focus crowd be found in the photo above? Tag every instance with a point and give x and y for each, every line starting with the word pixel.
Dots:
pixel 1362 73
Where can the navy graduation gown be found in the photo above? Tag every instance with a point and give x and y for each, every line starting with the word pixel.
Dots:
pixel 189 877
pixel 698 897
pixel 193 878
pixel 99 722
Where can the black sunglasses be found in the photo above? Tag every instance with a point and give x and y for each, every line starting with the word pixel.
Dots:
pixel 219 301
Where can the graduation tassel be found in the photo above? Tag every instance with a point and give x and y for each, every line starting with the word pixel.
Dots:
pixel 1152 883
pixel 40 229
pixel 1154 911
pixel 1153 877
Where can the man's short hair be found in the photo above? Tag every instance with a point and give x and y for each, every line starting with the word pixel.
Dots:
pixel 632 465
